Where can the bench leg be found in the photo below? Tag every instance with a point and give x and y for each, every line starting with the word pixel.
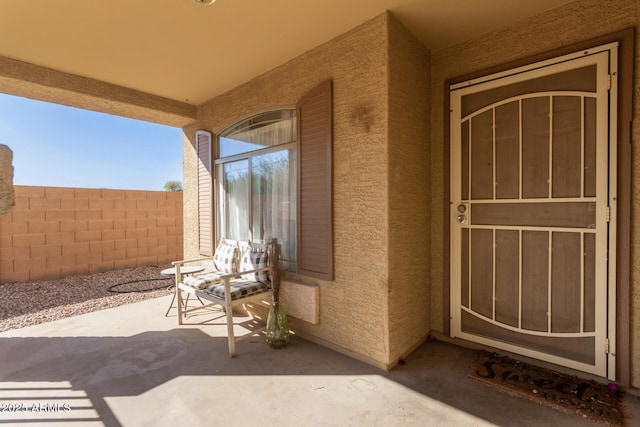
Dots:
pixel 230 335
pixel 180 306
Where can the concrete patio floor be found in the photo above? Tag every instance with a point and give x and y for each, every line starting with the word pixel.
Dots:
pixel 131 366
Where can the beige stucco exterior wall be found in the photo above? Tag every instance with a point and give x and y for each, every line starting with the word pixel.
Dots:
pixel 353 307
pixel 572 23
pixel 376 309
pixel 7 193
pixel 409 191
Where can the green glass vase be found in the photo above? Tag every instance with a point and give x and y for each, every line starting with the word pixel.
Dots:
pixel 277 326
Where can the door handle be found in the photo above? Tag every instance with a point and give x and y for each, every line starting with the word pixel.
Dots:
pixel 462 211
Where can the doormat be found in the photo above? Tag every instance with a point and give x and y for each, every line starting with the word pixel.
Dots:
pixel 567 393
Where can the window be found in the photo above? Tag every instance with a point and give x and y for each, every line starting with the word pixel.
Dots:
pixel 256 167
pixel 274 179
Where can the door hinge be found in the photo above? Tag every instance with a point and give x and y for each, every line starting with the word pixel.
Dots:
pixel 609 82
pixel 608 214
pixel 606 346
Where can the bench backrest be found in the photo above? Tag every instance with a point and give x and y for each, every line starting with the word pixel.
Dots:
pixel 229 254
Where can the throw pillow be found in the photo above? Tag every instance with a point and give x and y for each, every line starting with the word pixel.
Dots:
pixel 254 259
pixel 225 258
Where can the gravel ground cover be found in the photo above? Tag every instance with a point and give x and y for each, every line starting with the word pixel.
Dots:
pixel 31 303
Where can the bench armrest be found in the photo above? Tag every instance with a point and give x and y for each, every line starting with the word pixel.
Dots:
pixel 240 273
pixel 184 261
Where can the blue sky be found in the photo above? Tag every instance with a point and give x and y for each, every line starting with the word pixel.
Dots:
pixel 60 146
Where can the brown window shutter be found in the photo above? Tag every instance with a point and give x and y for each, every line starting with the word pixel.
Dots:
pixel 205 192
pixel 315 210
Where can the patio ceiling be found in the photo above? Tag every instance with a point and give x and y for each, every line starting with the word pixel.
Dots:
pixel 189 53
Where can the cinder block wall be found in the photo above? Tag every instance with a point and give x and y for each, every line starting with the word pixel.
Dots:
pixel 55 232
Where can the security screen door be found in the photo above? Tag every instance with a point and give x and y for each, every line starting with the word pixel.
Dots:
pixel 532 210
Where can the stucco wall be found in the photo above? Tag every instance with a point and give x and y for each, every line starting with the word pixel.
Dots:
pixel 409 191
pixel 572 23
pixel 353 307
pixel 54 232
pixel 7 193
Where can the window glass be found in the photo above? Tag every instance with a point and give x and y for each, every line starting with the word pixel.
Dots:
pixel 273 201
pixel 236 200
pixel 258 132
pixel 259 193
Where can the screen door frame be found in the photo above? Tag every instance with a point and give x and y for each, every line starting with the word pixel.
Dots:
pixel 606 368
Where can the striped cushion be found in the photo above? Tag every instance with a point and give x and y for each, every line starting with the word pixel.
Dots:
pixel 252 260
pixel 202 281
pixel 225 259
pixel 239 289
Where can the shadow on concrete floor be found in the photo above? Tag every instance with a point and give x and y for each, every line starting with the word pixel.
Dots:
pixel 139 368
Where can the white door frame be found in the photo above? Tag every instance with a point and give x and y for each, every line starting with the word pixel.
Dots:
pixel 606 60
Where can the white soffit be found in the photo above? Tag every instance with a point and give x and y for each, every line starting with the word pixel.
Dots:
pixel 188 52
